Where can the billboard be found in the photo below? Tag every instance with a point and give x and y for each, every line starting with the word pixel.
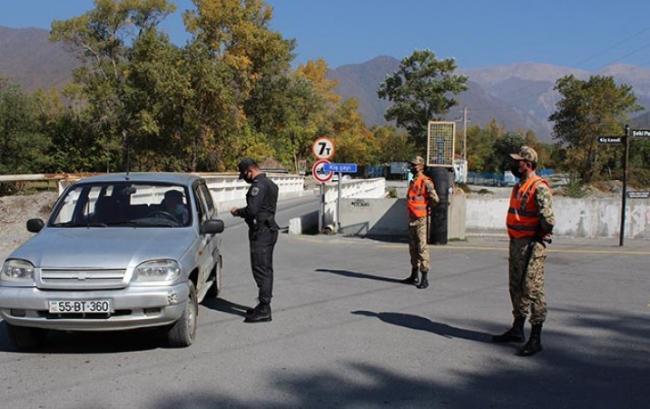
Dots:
pixel 440 143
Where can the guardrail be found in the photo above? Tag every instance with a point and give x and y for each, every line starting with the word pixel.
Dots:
pixel 225 187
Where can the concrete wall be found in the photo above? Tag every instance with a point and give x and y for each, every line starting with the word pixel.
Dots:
pixel 353 188
pixel 588 218
pixel 384 218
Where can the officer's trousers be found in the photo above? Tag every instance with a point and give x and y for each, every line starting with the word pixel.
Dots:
pixel 262 243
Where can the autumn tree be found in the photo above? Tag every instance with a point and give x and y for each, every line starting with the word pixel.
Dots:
pixel 421 90
pixel 587 109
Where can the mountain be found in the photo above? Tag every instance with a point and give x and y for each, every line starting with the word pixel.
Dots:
pixel 28 58
pixel 518 96
pixel 362 81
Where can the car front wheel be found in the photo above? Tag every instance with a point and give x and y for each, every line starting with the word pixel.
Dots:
pixel 182 332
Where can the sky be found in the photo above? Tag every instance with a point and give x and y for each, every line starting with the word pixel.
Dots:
pixel 586 34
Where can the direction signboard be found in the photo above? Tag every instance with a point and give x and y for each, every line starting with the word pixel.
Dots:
pixel 610 139
pixel 341 167
pixel 323 148
pixel 319 173
pixel 643 133
pixel 638 195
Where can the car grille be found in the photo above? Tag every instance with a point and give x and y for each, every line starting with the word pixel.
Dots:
pixel 82 279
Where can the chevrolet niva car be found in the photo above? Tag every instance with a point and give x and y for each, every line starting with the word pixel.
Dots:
pixel 119 252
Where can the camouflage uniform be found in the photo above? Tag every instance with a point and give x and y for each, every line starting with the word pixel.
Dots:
pixel 526 278
pixel 418 233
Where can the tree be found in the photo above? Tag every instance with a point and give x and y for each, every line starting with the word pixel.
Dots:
pixel 421 90
pixel 392 145
pixel 22 146
pixel 587 109
pixel 102 38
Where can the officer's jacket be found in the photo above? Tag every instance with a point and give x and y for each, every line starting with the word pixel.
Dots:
pixel 261 203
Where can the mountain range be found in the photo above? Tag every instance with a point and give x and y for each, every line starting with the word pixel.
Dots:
pixel 518 96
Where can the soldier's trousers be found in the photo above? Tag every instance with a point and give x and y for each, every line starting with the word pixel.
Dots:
pixel 418 245
pixel 262 243
pixel 526 279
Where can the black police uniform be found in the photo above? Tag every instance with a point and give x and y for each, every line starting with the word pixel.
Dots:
pixel 259 214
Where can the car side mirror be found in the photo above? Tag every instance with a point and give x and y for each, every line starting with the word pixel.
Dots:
pixel 214 226
pixel 35 225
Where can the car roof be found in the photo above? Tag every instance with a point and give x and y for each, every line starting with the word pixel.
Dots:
pixel 156 177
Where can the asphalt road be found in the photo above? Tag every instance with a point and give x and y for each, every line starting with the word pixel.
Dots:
pixel 346 334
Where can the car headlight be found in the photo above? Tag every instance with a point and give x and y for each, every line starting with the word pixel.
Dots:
pixel 17 271
pixel 156 271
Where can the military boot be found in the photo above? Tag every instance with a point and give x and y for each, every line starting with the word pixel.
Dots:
pixel 534 344
pixel 412 279
pixel 261 313
pixel 514 334
pixel 424 282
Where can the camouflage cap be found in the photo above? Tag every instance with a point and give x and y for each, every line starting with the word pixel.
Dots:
pixel 418 160
pixel 525 153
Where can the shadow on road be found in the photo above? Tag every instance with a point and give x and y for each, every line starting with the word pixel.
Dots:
pixel 219 304
pixel 424 324
pixel 352 274
pixel 58 342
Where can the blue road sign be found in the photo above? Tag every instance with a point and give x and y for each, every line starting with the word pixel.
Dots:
pixel 340 167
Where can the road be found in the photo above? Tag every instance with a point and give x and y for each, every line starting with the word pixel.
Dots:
pixel 346 334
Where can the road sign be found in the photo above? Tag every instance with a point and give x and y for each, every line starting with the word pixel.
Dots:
pixel 341 167
pixel 440 143
pixel 638 195
pixel 644 133
pixel 319 173
pixel 610 139
pixel 323 148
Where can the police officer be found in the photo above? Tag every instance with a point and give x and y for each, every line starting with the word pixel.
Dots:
pixel 530 221
pixel 259 214
pixel 421 196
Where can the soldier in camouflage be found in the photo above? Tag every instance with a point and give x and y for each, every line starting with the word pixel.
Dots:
pixel 530 222
pixel 421 196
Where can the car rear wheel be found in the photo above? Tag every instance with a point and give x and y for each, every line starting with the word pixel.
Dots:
pixel 182 332
pixel 25 338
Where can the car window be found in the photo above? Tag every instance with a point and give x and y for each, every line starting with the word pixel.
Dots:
pixel 200 205
pixel 123 204
pixel 206 197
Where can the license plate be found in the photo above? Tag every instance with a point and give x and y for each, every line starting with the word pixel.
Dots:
pixel 79 306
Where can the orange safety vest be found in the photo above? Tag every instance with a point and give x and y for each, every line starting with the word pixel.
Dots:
pixel 523 220
pixel 416 198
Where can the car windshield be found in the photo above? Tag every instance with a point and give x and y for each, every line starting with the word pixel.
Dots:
pixel 123 204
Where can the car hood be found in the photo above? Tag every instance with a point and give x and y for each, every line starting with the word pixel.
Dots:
pixel 107 247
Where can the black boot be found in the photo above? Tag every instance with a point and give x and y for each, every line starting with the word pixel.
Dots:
pixel 514 334
pixel 424 283
pixel 412 279
pixel 534 344
pixel 261 313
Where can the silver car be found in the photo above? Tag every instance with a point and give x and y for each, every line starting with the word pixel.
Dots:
pixel 118 252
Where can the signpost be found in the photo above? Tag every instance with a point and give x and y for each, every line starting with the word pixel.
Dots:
pixel 610 139
pixel 440 144
pixel 641 133
pixel 638 195
pixel 341 167
pixel 319 172
pixel 323 150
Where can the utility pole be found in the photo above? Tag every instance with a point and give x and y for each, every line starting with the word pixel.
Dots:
pixel 465 134
pixel 626 156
